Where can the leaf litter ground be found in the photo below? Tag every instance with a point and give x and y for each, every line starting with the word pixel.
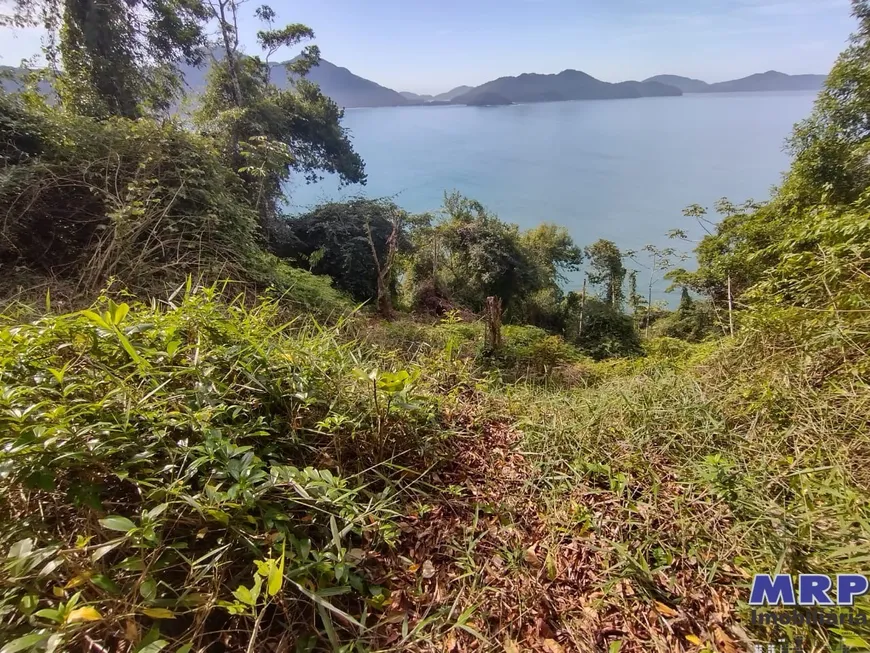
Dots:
pixel 490 565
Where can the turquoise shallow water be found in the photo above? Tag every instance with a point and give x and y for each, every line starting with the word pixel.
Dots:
pixel 616 169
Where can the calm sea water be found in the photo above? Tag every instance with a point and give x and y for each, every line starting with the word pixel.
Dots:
pixel 617 169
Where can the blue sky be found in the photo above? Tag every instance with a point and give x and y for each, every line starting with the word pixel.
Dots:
pixel 429 46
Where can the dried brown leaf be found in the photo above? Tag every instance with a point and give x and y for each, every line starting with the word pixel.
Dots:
pixel 666 610
pixel 428 569
pixel 531 556
pixel 724 642
pixel 552 646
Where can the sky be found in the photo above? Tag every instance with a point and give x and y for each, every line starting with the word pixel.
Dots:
pixel 430 46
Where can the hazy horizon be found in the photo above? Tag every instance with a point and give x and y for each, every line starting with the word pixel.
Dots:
pixel 429 49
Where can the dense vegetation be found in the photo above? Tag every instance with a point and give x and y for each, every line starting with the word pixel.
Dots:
pixel 223 428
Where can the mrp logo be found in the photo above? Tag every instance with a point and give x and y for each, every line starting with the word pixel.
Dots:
pixel 812 589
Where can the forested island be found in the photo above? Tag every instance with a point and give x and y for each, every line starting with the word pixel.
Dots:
pixel 227 428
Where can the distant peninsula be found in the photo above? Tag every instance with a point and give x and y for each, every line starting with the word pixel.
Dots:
pixel 484 99
pixel 440 98
pixel 769 81
pixel 567 85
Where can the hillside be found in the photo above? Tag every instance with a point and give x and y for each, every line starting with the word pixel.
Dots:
pixel 452 93
pixel 685 84
pixel 348 90
pixel 567 85
pixel 225 429
pixel 345 88
pixel 12 79
pixel 486 99
pixel 414 97
pixel 769 81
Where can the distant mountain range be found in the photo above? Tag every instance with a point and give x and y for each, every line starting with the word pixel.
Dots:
pixel 769 81
pixel 351 91
pixel 12 79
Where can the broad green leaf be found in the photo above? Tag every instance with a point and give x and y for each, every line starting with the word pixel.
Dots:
pixel 28 604
pixel 117 523
pixel 49 613
pixel 21 548
pixel 24 643
pixel 158 613
pixel 148 589
pixel 243 594
pixel 53 643
pixel 105 583
pixel 156 511
pixel 103 549
pixel 119 312
pixel 153 647
pixel 95 318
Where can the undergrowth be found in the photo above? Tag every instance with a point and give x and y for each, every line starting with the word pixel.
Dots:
pixel 197 474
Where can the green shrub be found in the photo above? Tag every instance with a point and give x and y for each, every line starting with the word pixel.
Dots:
pixel 151 457
pixel 333 239
pixel 606 332
pixel 529 349
pixel 693 324
pixel 144 202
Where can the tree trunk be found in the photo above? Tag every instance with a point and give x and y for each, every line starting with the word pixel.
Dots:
pixel 492 317
pixel 229 46
pixel 649 297
pixel 730 308
pixel 582 308
pixel 385 299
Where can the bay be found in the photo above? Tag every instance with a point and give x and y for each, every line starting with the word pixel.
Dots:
pixel 616 169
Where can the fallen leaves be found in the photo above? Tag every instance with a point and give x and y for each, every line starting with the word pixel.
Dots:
pixel 531 556
pixel 666 610
pixel 725 643
pixel 552 646
pixel 428 569
pixel 543 567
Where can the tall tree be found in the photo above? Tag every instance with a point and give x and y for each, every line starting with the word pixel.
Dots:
pixel 831 146
pixel 482 256
pixel 607 271
pixel 268 133
pixel 117 57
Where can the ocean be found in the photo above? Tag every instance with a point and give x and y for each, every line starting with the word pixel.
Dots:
pixel 616 169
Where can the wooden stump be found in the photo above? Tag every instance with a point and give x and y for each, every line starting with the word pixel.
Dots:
pixel 492 317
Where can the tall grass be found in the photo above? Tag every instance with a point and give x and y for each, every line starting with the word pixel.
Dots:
pixel 690 481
